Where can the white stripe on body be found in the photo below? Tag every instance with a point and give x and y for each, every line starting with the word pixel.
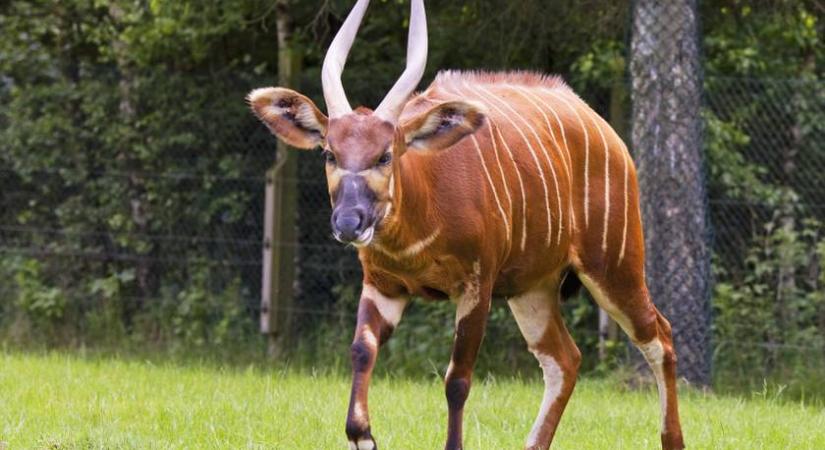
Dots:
pixel 506 188
pixel 625 157
pixel 489 95
pixel 490 126
pixel 538 166
pixel 606 179
pixel 501 172
pixel 586 153
pixel 598 122
pixel 568 160
pixel 412 250
pixel 521 90
pixel 508 236
pixel 624 227
pixel 546 156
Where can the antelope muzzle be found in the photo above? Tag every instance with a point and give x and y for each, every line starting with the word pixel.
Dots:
pixel 353 216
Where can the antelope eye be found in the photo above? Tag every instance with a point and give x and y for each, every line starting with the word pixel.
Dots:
pixel 329 157
pixel 385 159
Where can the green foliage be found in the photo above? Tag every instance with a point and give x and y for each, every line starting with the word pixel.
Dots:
pixel 779 41
pixel 203 316
pixel 739 178
pixel 103 103
pixel 40 302
pixel 98 98
pixel 768 323
pixel 602 65
pixel 763 142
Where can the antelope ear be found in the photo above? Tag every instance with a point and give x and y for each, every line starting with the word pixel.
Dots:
pixel 443 125
pixel 289 115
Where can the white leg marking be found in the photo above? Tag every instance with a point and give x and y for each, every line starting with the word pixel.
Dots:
pixel 493 187
pixel 450 369
pixel 352 446
pixel 369 337
pixel 606 304
pixel 586 154
pixel 389 308
pixel 553 380
pixel 520 182
pixel 365 445
pixel 654 353
pixel 358 411
pixel 470 297
pixel 624 226
pixel 490 95
pixel 532 313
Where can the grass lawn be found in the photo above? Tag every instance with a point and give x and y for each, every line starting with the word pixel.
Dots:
pixel 59 401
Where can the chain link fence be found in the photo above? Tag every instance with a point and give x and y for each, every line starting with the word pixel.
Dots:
pixel 181 237
pixel 755 191
pixel 767 205
pixel 666 90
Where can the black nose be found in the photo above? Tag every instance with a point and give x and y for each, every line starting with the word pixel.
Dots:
pixel 348 224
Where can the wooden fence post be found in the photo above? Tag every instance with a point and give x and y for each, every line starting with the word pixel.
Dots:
pixel 280 212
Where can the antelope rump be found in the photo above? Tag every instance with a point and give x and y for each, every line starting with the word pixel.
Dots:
pixel 484 185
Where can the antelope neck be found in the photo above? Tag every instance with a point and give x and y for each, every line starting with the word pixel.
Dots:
pixel 412 216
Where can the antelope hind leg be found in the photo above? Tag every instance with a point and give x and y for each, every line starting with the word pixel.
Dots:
pixel 539 319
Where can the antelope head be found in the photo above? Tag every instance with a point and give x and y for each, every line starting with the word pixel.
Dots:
pixel 363 148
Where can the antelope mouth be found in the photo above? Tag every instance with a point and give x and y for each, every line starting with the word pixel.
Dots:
pixel 365 238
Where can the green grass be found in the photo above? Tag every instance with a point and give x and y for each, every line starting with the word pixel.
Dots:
pixel 59 401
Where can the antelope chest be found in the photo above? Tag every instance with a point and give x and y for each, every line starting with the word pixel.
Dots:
pixel 434 277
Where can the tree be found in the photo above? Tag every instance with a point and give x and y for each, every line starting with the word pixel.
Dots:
pixel 666 136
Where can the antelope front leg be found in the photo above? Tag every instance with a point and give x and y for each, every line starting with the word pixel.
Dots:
pixel 471 319
pixel 377 317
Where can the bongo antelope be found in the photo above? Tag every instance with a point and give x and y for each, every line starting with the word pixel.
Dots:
pixel 483 185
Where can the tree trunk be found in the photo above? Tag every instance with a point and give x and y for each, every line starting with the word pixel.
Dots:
pixel 667 138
